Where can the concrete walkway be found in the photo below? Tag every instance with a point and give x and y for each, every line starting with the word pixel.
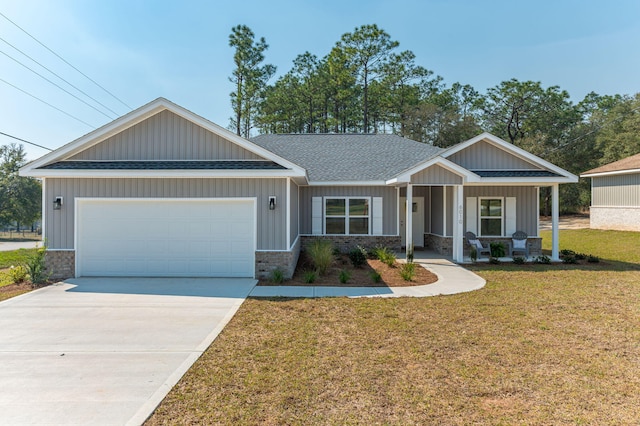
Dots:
pixel 452 279
pixel 15 245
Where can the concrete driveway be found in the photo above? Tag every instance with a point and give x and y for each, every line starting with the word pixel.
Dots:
pixel 106 350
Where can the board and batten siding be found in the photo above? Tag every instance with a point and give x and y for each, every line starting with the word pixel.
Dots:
pixel 436 175
pixel 437 221
pixel 616 191
pixel 526 204
pixel 485 156
pixel 165 136
pixel 59 225
pixel 293 213
pixel 389 203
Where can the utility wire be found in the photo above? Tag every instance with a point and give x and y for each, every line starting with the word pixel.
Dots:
pixel 55 84
pixel 66 62
pixel 75 87
pixel 47 103
pixel 25 141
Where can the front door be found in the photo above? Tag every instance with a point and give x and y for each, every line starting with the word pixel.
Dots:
pixel 417 219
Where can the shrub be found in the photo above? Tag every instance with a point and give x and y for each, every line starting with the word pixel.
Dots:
pixel 358 257
pixel 321 254
pixel 519 260
pixel 377 252
pixel 570 259
pixel 497 249
pixel 543 259
pixel 35 266
pixel 494 260
pixel 310 276
pixel 344 276
pixel 567 252
pixel 17 274
pixel 386 256
pixel 277 276
pixel 473 254
pixel 410 253
pixel 408 271
pixel 581 256
pixel 593 259
pixel 375 276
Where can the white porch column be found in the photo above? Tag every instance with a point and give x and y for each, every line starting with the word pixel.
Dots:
pixel 408 219
pixel 555 208
pixel 457 217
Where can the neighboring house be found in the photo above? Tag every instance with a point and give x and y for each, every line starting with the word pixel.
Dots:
pixel 615 195
pixel 162 191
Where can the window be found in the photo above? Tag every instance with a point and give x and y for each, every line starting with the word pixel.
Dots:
pixel 491 216
pixel 347 216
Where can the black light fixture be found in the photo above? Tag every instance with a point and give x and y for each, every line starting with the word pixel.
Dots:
pixel 272 202
pixel 57 203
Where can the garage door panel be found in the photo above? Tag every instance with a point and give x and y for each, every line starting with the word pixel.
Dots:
pixel 166 238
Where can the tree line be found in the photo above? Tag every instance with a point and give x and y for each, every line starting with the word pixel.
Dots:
pixel 20 197
pixel 366 84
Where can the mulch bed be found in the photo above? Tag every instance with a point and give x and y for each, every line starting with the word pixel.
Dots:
pixel 360 277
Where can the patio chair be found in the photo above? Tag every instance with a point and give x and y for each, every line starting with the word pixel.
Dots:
pixel 519 243
pixel 473 241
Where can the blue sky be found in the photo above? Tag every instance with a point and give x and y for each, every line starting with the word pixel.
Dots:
pixel 141 50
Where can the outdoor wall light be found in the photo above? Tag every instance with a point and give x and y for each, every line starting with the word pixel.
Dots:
pixel 272 202
pixel 57 203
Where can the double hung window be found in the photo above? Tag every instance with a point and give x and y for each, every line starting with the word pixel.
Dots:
pixel 347 216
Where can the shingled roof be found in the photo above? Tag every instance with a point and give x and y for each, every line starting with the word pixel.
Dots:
pixel 348 157
pixel 626 164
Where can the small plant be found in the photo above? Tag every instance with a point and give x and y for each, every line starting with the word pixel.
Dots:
pixel 494 260
pixel 519 260
pixel 410 253
pixel 358 257
pixel 17 274
pixel 310 276
pixel 344 276
pixel 593 259
pixel 497 249
pixel 567 252
pixel 375 276
pixel 277 276
pixel 408 271
pixel 543 259
pixel 386 256
pixel 581 256
pixel 473 254
pixel 570 259
pixel 35 266
pixel 321 254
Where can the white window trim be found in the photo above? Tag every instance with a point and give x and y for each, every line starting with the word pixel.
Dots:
pixel 346 216
pixel 502 215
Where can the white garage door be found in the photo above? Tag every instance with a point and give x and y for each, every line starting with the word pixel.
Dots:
pixel 165 238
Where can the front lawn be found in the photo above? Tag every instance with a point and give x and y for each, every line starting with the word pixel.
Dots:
pixel 12 258
pixel 539 344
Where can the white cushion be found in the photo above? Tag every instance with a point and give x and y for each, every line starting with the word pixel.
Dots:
pixel 520 244
pixel 476 243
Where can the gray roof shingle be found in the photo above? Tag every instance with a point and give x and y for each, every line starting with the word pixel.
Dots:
pixel 163 165
pixel 348 157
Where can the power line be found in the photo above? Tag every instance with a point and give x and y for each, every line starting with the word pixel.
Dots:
pixel 66 62
pixel 25 141
pixel 55 84
pixel 52 72
pixel 47 103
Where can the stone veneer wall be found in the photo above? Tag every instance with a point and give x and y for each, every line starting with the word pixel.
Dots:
pixel 444 245
pixel 617 218
pixel 346 243
pixel 268 261
pixel 61 264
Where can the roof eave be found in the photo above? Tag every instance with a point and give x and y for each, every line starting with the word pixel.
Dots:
pixel 611 173
pixel 93 173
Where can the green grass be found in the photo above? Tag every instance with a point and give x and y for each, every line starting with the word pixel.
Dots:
pixel 617 246
pixel 540 344
pixel 14 257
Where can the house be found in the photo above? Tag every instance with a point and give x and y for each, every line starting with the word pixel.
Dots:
pixel 615 195
pixel 162 191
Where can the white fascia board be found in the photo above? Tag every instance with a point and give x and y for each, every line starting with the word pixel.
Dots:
pixel 405 177
pixel 613 173
pixel 509 147
pixel 160 173
pixel 536 181
pixel 141 114
pixel 349 183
